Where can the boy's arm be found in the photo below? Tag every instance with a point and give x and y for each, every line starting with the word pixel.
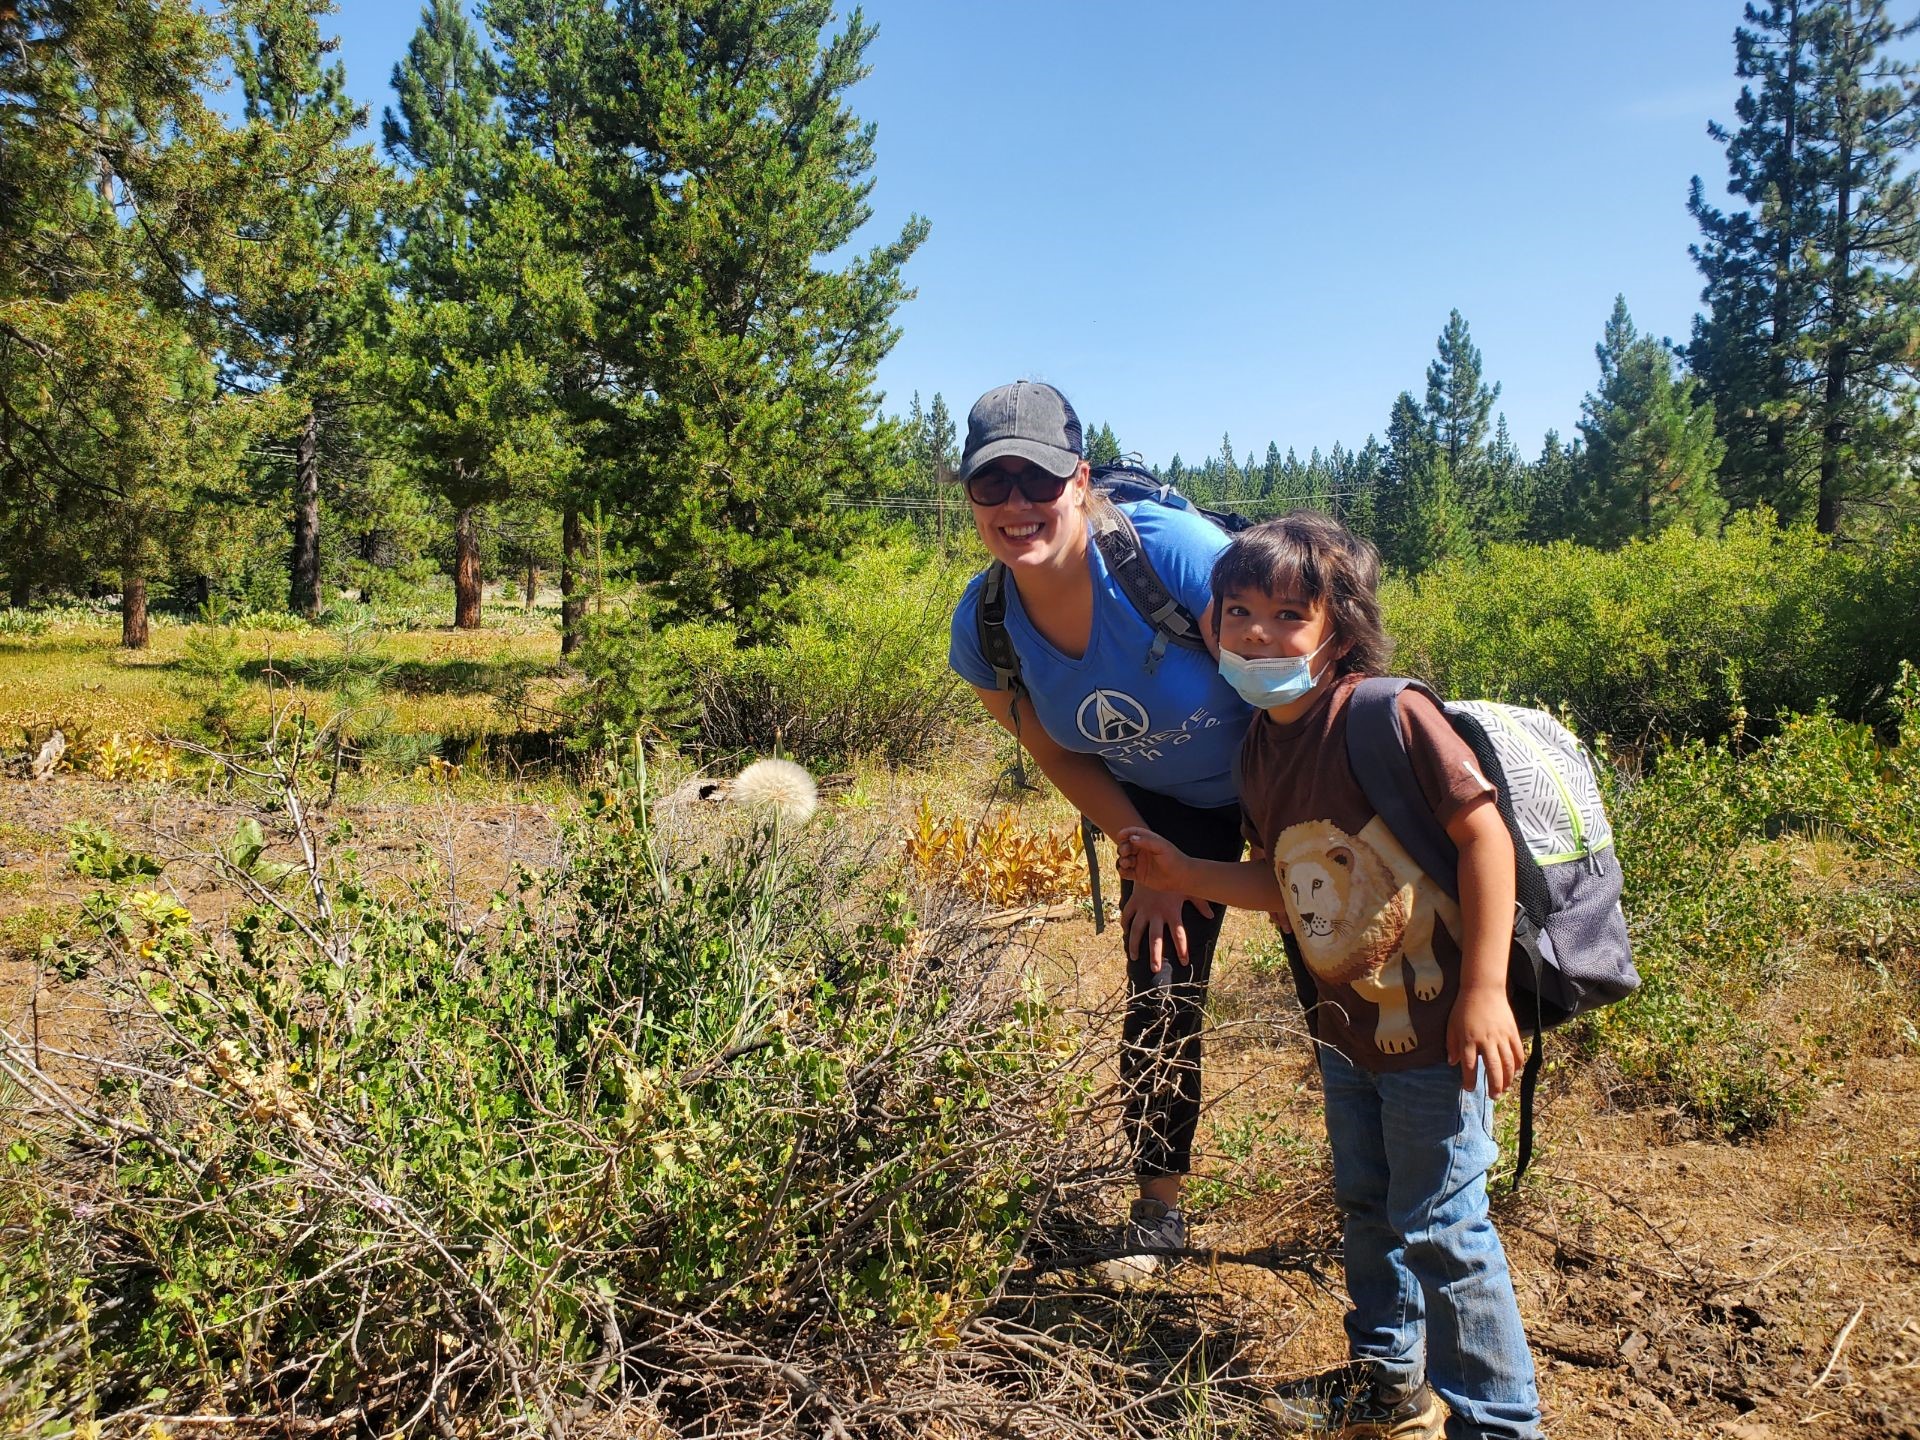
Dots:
pixel 1150 859
pixel 1482 1028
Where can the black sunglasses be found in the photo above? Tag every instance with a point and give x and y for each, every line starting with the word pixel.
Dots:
pixel 992 486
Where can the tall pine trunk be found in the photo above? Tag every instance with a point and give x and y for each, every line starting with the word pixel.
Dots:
pixel 1779 381
pixel 533 582
pixel 466 571
pixel 133 607
pixel 573 601
pixel 303 591
pixel 19 582
pixel 1833 434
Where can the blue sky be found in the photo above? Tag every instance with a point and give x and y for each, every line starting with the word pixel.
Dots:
pixel 1253 218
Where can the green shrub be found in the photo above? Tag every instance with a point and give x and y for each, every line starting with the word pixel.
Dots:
pixel 1719 911
pixel 212 679
pixel 1667 637
pixel 861 670
pixel 661 1107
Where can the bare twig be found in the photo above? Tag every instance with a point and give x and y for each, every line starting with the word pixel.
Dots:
pixel 1838 1345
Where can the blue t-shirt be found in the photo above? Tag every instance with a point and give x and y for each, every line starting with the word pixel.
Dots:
pixel 1174 732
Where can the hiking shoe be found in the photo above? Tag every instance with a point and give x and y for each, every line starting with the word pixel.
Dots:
pixel 1152 1230
pixel 1349 1404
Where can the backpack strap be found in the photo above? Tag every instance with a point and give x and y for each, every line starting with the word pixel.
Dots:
pixel 990 621
pixel 1127 562
pixel 1377 755
pixel 990 625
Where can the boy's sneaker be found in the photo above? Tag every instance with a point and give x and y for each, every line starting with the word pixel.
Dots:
pixel 1348 1403
pixel 1152 1230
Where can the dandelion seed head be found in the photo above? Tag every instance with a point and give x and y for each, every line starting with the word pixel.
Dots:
pixel 777 785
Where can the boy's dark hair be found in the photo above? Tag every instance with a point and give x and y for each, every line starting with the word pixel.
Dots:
pixel 1315 556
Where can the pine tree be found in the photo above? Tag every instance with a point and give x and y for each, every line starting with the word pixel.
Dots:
pixel 943 440
pixel 929 452
pixel 1552 498
pixel 445 128
pixel 1810 283
pixel 1503 518
pixel 113 428
pixel 1103 446
pixel 1651 454
pixel 1422 518
pixel 732 169
pixel 1459 404
pixel 1224 480
pixel 1271 472
pixel 1356 488
pixel 1866 277
pixel 548 67
pixel 1408 456
pixel 305 287
pixel 479 318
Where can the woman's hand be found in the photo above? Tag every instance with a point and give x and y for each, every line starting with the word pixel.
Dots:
pixel 1482 1031
pixel 1152 916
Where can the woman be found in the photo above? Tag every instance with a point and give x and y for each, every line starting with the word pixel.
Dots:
pixel 1132 731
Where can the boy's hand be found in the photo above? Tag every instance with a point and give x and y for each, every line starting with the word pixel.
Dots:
pixel 1482 1031
pixel 1154 907
pixel 1149 859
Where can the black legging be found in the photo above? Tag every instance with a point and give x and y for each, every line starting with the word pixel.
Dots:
pixel 1160 1055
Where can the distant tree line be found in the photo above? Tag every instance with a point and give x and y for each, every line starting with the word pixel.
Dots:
pixel 1795 393
pixel 588 307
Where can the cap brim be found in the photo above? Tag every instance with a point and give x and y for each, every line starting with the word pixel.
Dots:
pixel 1050 458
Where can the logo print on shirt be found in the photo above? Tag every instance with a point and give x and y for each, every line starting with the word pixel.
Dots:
pixel 1108 717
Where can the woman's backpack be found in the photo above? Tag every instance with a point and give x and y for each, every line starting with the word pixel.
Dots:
pixel 1570 940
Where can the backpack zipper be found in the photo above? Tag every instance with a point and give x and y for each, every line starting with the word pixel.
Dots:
pixel 1582 850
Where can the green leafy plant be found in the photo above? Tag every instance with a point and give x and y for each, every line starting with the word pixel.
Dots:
pixel 96 854
pixel 1718 908
pixel 860 670
pixel 1668 638
pixel 660 1111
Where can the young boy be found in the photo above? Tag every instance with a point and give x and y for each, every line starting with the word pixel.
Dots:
pixel 1415 1034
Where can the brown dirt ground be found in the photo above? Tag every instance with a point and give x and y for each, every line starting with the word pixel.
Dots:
pixel 1672 1285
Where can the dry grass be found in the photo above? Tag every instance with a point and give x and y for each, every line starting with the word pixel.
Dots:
pixel 443 682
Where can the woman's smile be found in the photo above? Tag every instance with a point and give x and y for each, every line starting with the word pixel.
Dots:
pixel 1020 530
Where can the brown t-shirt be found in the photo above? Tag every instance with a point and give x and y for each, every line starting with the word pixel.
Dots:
pixel 1381 939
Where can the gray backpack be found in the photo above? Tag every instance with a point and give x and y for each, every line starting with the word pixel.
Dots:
pixel 1570 947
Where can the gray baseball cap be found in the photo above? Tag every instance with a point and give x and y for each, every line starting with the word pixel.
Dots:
pixel 1029 419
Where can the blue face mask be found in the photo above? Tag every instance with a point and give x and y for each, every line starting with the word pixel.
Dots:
pixel 1279 680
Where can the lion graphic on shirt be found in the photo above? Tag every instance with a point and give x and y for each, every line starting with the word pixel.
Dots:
pixel 1364 914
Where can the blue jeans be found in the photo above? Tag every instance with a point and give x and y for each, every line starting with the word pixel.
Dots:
pixel 1410 1158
